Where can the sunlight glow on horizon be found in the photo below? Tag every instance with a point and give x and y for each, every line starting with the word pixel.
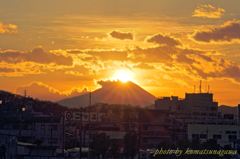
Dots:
pixel 123 76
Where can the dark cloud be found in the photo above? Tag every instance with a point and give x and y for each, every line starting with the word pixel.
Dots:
pixel 37 55
pixel 184 59
pixel 225 33
pixel 232 71
pixel 151 55
pixel 200 72
pixel 122 35
pixel 207 58
pixel 163 39
pixel 74 51
pixel 162 54
pixel 6 70
pixel 218 69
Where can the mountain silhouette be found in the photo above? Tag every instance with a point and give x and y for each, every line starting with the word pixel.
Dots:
pixel 224 109
pixel 113 92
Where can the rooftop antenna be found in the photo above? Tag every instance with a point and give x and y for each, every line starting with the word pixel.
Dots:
pixel 89 125
pixel 174 91
pixel 25 93
pixel 208 88
pixel 194 89
pixel 205 86
pixel 200 86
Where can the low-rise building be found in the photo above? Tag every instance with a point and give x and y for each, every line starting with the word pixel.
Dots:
pixel 224 134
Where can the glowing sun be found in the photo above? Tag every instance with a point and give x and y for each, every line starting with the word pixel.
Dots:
pixel 123 76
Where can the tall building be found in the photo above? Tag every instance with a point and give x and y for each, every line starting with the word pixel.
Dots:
pixel 195 105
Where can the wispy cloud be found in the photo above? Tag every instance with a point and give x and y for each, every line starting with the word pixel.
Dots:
pixel 208 11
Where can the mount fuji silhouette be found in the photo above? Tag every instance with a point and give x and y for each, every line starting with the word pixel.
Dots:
pixel 113 92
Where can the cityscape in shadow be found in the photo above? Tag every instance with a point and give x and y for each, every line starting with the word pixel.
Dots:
pixel 32 128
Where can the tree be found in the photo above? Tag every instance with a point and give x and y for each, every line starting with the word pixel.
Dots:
pixel 100 144
pixel 130 145
pixel 115 148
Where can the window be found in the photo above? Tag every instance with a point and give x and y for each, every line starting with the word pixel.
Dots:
pixel 212 114
pixel 54 127
pixel 42 126
pixel 145 127
pixel 203 136
pixel 54 140
pixel 228 132
pixel 15 126
pixel 213 108
pixel 144 140
pixel 232 137
pixel 195 136
pixel 215 136
pixel 196 113
pixel 231 132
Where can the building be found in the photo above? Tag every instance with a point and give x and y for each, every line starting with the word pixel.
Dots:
pixel 195 105
pixel 224 134
pixel 33 136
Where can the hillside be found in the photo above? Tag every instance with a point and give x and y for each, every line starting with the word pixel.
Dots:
pixel 113 92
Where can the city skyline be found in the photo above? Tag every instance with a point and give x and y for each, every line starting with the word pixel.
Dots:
pixel 61 49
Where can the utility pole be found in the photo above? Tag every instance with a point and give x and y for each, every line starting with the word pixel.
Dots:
pixel 89 125
pixel 63 144
pixel 80 135
pixel 207 132
pixel 51 128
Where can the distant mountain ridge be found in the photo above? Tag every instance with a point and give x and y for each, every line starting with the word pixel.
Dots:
pixel 113 92
pixel 228 110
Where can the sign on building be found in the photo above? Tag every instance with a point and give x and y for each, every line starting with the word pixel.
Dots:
pixel 76 116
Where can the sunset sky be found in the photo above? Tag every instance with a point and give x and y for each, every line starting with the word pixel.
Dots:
pixel 56 48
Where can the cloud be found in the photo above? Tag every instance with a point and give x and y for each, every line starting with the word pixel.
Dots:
pixel 143 65
pixel 176 80
pixel 163 39
pixel 103 54
pixel 37 61
pixel 157 54
pixel 6 70
pixel 8 28
pixel 46 92
pixel 184 59
pixel 208 11
pixel 228 32
pixel 37 56
pixel 207 58
pixel 121 35
pixel 18 69
pixel 74 73
pixel 218 69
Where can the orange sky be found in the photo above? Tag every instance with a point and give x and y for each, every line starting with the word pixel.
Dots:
pixel 57 49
